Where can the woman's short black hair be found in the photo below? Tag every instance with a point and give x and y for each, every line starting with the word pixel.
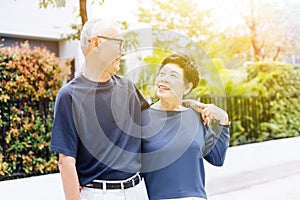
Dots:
pixel 190 72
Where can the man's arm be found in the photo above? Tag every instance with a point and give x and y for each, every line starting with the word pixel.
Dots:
pixel 66 165
pixel 216 145
pixel 208 111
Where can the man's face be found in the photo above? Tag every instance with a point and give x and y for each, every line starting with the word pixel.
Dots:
pixel 107 51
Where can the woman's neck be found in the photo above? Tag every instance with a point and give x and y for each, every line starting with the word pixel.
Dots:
pixel 168 105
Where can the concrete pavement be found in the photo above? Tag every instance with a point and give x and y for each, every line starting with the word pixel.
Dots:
pixel 279 182
pixel 259 171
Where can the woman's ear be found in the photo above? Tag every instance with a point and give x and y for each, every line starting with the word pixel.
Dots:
pixel 188 88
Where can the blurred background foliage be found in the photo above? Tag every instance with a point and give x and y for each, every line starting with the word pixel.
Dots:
pixel 29 80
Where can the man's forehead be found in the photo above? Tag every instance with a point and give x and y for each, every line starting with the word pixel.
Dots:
pixel 110 31
pixel 113 32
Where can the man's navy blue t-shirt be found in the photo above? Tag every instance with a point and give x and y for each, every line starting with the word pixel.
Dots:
pixel 99 125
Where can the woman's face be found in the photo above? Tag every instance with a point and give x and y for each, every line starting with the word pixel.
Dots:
pixel 170 83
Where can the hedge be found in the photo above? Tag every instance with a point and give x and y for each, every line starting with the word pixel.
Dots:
pixel 29 82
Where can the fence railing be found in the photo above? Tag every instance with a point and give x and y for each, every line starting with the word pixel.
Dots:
pixel 248 112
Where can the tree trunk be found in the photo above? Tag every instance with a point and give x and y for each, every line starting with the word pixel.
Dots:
pixel 255 46
pixel 82 11
pixel 252 26
pixel 277 54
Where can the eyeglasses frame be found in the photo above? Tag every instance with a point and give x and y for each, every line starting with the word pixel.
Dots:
pixel 110 38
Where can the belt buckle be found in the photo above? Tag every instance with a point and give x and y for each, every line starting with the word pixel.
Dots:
pixel 133 183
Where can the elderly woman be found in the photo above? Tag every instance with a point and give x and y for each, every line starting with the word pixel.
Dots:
pixel 176 138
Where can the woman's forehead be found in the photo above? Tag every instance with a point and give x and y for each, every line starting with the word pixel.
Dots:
pixel 172 67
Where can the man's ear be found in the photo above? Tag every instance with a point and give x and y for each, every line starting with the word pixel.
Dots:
pixel 188 88
pixel 93 43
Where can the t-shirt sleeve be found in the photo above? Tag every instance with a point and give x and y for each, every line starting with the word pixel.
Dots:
pixel 64 138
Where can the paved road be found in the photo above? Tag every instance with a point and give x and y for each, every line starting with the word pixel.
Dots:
pixel 281 182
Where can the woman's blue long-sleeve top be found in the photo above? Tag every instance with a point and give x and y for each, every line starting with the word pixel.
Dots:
pixel 173 147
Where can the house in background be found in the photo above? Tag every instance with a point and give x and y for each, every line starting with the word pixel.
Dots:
pixel 24 21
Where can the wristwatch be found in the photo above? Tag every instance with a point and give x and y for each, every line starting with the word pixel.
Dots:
pixel 226 125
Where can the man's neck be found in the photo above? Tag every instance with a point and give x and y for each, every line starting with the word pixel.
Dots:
pixel 94 75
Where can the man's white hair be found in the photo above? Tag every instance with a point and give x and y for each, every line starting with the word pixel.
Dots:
pixel 93 28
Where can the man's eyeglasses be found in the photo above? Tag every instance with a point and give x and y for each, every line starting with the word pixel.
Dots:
pixel 119 41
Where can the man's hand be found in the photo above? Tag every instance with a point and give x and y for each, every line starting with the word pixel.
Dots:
pixel 208 111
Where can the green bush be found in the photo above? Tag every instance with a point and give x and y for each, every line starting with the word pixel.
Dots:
pixel 280 84
pixel 29 80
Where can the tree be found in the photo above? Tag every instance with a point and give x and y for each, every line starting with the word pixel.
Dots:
pixel 82 13
pixel 183 16
pixel 256 31
pixel 272 29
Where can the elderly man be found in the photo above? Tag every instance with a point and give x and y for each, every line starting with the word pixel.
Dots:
pixel 96 130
